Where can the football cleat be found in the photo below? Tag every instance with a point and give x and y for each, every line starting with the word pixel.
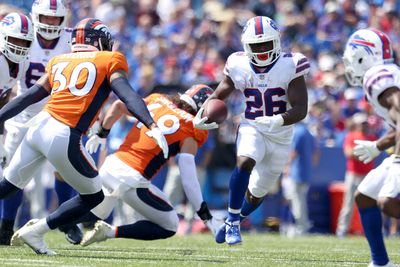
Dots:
pixel 73 234
pixel 28 235
pixel 220 234
pixel 232 234
pixel 18 242
pixel 98 234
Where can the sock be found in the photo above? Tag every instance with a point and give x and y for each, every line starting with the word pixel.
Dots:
pixel 74 209
pixel 237 189
pixel 143 230
pixel 64 191
pixel 371 220
pixel 10 206
pixel 248 208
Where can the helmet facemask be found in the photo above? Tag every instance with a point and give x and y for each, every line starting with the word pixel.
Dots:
pixel 263 54
pixel 45 8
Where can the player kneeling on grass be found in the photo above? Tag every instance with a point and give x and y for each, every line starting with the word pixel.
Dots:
pixel 126 174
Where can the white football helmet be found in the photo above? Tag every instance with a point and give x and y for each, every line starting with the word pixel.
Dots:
pixel 261 30
pixel 53 8
pixel 365 48
pixel 17 26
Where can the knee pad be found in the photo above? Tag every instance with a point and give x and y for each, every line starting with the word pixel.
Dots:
pixel 93 200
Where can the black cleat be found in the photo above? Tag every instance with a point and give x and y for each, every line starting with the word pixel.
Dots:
pixel 73 234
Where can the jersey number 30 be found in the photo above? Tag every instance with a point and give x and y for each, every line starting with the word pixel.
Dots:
pixel 79 82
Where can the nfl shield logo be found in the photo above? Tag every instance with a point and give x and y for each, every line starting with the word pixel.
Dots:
pixel 262 76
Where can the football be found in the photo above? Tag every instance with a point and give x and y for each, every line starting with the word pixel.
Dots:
pixel 215 110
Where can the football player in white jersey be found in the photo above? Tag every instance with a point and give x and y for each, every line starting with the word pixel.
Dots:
pixel 51 38
pixel 368 63
pixel 16 37
pixel 273 85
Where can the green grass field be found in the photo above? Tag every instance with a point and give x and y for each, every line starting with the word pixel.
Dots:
pixel 200 250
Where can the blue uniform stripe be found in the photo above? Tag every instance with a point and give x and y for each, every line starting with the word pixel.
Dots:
pixel 158 161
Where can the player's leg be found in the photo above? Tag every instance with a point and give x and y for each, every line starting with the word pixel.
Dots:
pixel 158 219
pixel 10 205
pixel 250 149
pixel 25 161
pixel 65 152
pixel 366 198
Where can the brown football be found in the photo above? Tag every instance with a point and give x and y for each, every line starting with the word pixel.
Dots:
pixel 215 110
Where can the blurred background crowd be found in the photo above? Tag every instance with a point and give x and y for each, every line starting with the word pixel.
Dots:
pixel 172 44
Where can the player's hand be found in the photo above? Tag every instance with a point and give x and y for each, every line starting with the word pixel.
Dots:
pixel 4 157
pixel 159 137
pixel 213 225
pixel 366 151
pixel 94 143
pixel 200 123
pixel 272 122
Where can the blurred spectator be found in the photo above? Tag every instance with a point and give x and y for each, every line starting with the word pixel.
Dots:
pixel 355 169
pixel 303 156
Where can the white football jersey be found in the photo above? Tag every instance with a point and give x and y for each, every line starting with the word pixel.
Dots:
pixel 7 81
pixel 38 59
pixel 266 92
pixel 376 80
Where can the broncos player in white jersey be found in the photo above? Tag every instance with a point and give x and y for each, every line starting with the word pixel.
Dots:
pixel 16 37
pixel 51 39
pixel 368 63
pixel 273 85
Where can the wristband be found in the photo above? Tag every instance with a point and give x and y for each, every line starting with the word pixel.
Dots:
pixel 103 133
pixel 204 213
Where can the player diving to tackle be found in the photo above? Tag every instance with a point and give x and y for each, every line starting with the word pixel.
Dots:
pixel 127 173
pixel 79 84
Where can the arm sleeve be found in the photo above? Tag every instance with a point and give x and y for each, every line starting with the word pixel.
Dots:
pixel 18 104
pixel 132 100
pixel 191 186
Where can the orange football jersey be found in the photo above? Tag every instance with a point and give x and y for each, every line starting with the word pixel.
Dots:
pixel 80 85
pixel 141 151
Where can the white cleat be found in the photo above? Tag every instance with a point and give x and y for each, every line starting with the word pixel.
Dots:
pixel 17 241
pixel 27 235
pixel 97 234
pixel 389 264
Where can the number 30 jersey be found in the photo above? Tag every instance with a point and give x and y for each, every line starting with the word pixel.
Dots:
pixel 266 92
pixel 80 85
pixel 142 153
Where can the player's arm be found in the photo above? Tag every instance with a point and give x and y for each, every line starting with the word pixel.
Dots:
pixel 37 92
pixel 390 99
pixel 190 182
pixel 136 106
pixel 298 99
pixel 3 101
pixel 133 101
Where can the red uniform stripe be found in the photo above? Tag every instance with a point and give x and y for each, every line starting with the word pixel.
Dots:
pixel 358 41
pixel 386 49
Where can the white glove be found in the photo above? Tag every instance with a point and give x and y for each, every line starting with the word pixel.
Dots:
pixel 159 137
pixel 4 157
pixel 214 224
pixel 200 123
pixel 94 142
pixel 272 122
pixel 366 151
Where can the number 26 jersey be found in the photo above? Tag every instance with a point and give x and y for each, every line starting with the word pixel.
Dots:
pixel 265 90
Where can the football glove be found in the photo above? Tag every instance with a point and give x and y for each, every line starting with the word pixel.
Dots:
pixel 159 137
pixel 366 151
pixel 272 122
pixel 200 123
pixel 94 143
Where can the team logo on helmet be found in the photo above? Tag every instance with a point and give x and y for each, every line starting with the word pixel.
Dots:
pixel 7 21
